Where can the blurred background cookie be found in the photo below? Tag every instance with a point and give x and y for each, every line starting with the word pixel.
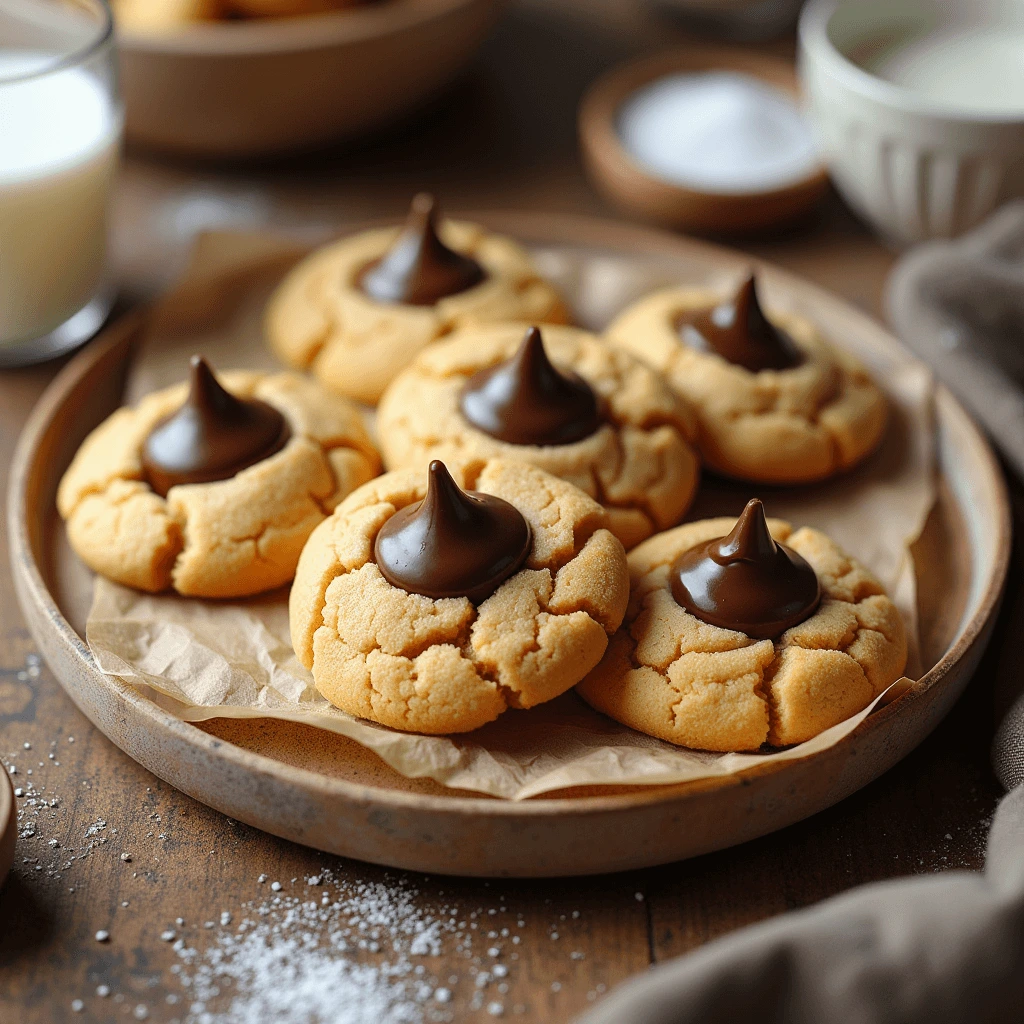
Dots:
pixel 774 401
pixel 288 8
pixel 358 311
pixel 165 15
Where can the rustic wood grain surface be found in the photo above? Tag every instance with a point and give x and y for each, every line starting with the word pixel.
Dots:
pixel 105 846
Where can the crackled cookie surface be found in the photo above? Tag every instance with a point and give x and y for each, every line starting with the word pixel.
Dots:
pixel 676 677
pixel 795 420
pixel 358 311
pixel 229 537
pixel 636 456
pixel 446 665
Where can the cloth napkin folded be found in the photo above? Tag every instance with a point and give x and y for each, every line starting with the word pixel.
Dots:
pixel 960 306
pixel 940 949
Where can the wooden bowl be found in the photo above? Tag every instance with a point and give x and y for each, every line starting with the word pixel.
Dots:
pixel 635 190
pixel 322 790
pixel 263 87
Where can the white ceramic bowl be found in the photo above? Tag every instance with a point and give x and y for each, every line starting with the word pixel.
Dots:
pixel 246 89
pixel 914 167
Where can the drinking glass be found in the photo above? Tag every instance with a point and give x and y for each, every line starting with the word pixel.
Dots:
pixel 60 136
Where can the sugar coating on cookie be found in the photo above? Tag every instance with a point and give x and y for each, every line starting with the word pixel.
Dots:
pixel 445 665
pixel 668 674
pixel 230 538
pixel 799 424
pixel 320 317
pixel 640 463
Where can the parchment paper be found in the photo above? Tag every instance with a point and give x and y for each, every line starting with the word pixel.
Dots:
pixel 210 659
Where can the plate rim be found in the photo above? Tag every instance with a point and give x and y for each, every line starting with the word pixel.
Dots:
pixel 571 229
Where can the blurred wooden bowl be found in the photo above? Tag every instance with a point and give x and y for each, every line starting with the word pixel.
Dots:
pixel 265 87
pixel 638 191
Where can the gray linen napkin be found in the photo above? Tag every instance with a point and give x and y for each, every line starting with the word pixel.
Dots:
pixel 960 306
pixel 941 949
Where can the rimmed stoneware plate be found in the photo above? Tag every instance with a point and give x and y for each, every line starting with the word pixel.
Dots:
pixel 325 791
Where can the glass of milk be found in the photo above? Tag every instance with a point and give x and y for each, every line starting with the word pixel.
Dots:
pixel 60 133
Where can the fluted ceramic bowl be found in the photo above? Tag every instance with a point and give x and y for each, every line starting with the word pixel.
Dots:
pixel 914 167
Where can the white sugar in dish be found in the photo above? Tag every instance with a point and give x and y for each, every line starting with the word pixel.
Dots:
pixel 718 132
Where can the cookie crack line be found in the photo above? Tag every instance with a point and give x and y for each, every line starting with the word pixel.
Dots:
pixel 526 643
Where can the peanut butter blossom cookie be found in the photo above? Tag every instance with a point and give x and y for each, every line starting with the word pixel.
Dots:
pixel 745 632
pixel 774 401
pixel 560 399
pixel 432 602
pixel 358 311
pixel 213 487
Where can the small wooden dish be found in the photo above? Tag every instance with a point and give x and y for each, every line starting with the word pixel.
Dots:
pixel 322 790
pixel 263 87
pixel 632 188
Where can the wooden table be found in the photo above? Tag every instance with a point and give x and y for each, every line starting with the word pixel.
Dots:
pixel 506 138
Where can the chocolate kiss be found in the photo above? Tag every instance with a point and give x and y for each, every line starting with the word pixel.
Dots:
pixel 453 543
pixel 739 332
pixel 526 400
pixel 213 436
pixel 419 269
pixel 747 581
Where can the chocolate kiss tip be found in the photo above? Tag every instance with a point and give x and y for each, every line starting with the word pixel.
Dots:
pixel 424 205
pixel 747 293
pixel 202 379
pixel 750 538
pixel 439 478
pixel 748 302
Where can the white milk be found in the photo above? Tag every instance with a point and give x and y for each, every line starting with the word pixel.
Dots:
pixel 59 136
pixel 976 69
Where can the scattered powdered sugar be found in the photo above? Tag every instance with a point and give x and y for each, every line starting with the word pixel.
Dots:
pixel 346 959
pixel 333 948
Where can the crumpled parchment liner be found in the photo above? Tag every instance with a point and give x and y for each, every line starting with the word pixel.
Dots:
pixel 209 659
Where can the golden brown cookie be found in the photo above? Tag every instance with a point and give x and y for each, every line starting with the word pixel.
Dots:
pixel 445 665
pixel 148 16
pixel 792 425
pixel 229 538
pixel 321 317
pixel 673 676
pixel 286 8
pixel 639 462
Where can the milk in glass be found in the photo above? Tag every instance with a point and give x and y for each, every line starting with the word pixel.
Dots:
pixel 59 136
